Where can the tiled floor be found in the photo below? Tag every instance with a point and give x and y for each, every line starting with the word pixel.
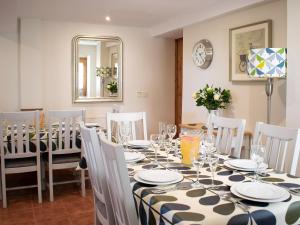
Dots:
pixel 68 208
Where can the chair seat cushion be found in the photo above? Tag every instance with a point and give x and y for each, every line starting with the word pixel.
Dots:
pixel 65 158
pixel 23 162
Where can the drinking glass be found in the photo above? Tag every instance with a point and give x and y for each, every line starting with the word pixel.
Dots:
pixel 257 154
pixel 155 142
pixel 168 148
pixel 162 127
pixel 213 164
pixel 198 161
pixel 171 131
pixel 125 133
pixel 208 144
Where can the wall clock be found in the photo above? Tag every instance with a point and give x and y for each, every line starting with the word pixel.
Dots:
pixel 203 53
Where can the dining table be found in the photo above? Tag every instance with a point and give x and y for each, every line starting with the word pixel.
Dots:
pixel 182 204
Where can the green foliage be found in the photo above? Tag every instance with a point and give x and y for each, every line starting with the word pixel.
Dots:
pixel 212 98
pixel 112 87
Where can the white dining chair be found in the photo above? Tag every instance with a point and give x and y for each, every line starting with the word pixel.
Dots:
pixel 230 134
pixel 103 208
pixel 118 183
pixel 282 146
pixel 63 150
pixel 19 154
pixel 134 118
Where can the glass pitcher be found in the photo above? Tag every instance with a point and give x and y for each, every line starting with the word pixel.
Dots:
pixel 190 144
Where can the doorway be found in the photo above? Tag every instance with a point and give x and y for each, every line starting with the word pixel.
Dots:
pixel 178 80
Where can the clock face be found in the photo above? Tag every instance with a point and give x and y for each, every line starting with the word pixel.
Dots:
pixel 202 54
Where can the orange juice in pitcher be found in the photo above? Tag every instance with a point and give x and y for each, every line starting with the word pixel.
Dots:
pixel 189 145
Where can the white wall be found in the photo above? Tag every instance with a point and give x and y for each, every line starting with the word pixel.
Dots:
pixel 31 93
pixel 148 65
pixel 249 99
pixel 293 80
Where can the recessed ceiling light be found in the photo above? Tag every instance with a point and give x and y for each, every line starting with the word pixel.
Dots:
pixel 107 18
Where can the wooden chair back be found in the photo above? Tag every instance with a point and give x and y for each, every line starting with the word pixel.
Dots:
pixel 16 129
pixel 132 118
pixel 96 168
pixel 118 183
pixel 282 146
pixel 63 137
pixel 230 134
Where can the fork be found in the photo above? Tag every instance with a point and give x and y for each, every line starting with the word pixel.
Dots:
pixel 238 203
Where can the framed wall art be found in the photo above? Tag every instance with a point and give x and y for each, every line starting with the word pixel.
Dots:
pixel 241 40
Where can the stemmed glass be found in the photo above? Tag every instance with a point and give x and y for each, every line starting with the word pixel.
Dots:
pixel 208 144
pixel 213 165
pixel 155 142
pixel 257 155
pixel 198 161
pixel 125 133
pixel 168 148
pixel 162 127
pixel 171 131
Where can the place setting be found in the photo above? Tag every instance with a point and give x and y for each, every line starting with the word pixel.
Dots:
pixel 256 190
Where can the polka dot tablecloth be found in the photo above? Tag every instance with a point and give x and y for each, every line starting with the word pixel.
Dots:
pixel 182 204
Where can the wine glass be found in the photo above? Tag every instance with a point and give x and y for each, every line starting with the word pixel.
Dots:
pixel 155 141
pixel 125 133
pixel 198 162
pixel 162 127
pixel 171 131
pixel 213 161
pixel 257 154
pixel 208 144
pixel 168 147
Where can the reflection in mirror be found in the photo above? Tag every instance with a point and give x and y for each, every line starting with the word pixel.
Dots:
pixel 97 66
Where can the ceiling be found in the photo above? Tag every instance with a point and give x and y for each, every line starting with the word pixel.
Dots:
pixel 152 14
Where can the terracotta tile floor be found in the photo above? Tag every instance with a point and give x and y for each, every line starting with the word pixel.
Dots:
pixel 68 208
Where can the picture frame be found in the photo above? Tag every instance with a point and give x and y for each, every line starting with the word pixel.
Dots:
pixel 241 40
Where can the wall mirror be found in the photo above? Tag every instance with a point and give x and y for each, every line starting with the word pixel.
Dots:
pixel 97 69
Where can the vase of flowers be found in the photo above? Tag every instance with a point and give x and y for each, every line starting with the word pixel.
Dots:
pixel 103 71
pixel 112 87
pixel 212 99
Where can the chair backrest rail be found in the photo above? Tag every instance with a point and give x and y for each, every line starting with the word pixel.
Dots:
pixel 132 118
pixel 229 130
pixel 282 146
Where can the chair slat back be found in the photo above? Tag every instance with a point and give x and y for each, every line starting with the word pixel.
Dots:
pixel 96 168
pixel 282 146
pixel 133 118
pixel 118 183
pixel 65 136
pixel 230 134
pixel 15 129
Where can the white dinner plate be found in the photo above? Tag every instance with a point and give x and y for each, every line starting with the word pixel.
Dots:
pixel 159 176
pixel 246 167
pixel 138 179
pixel 242 163
pixel 139 143
pixel 260 192
pixel 131 157
pixel 89 125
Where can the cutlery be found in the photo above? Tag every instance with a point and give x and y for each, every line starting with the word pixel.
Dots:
pixel 291 190
pixel 294 191
pixel 238 203
pixel 164 189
